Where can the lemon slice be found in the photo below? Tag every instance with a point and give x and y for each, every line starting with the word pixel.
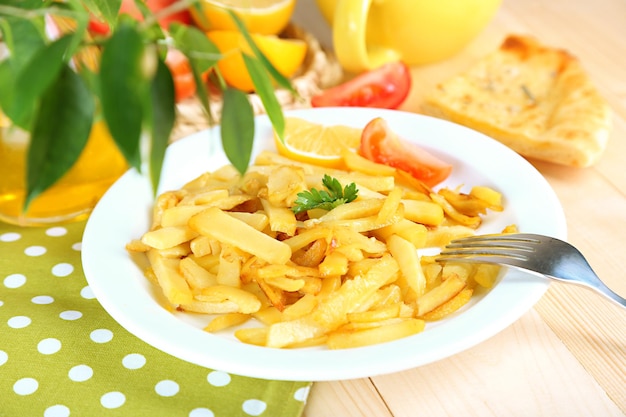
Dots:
pixel 267 17
pixel 317 144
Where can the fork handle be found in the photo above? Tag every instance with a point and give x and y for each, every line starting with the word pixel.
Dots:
pixel 571 268
pixel 601 288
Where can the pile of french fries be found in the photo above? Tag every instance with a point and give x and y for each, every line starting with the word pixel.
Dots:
pixel 230 247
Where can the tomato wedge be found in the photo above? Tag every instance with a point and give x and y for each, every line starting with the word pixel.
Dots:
pixel 184 82
pixel 380 144
pixel 183 16
pixel 385 87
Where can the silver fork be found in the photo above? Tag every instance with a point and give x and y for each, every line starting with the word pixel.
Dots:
pixel 544 255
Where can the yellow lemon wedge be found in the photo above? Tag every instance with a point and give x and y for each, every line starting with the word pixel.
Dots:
pixel 317 144
pixel 286 55
pixel 266 17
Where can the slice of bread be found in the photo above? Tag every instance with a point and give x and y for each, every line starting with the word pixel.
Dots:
pixel 535 99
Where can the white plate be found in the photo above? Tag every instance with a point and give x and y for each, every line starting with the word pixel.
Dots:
pixel 124 213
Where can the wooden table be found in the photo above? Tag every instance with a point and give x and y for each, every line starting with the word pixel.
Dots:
pixel 567 355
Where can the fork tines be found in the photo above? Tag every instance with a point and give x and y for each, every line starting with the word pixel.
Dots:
pixel 495 248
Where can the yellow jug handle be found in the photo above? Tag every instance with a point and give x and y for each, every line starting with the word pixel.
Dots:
pixel 350 38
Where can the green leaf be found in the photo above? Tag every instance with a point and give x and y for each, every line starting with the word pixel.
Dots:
pixel 36 77
pixel 23 38
pixel 201 53
pixel 265 91
pixel 163 117
pixel 237 128
pixel 277 76
pixel 7 86
pixel 24 4
pixel 328 199
pixel 60 132
pixel 104 9
pixel 123 90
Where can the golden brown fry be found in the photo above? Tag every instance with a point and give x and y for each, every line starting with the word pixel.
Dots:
pixel 382 313
pixel 231 261
pixel 281 219
pixel 285 284
pixel 268 315
pixel 355 210
pixel 335 264
pixel 464 203
pixel 173 284
pixel 257 220
pixel 486 275
pixel 219 225
pixel 491 197
pixel 177 251
pixel 424 212
pixel 201 246
pixel 380 334
pixel 439 295
pixel 404 252
pixel 209 307
pixel 312 256
pixel 300 308
pixel 136 245
pixel 168 237
pixel 308 236
pixel 390 206
pixel 253 335
pixel 203 197
pixel 415 233
pixel 454 214
pixel 276 296
pixel 226 321
pixel 461 270
pixel 196 276
pixel 449 306
pixel 283 185
pixel 163 202
pixel 246 301
pixel 442 235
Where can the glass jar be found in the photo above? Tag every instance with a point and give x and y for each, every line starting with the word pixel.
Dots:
pixel 73 196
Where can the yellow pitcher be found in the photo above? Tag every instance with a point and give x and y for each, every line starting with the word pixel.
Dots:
pixel 369 33
pixel 73 196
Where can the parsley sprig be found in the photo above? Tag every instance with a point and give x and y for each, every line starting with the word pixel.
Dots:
pixel 328 199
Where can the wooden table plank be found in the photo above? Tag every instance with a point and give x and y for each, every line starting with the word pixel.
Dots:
pixel 351 398
pixel 597 341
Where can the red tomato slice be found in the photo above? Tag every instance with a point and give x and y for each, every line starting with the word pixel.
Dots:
pixel 380 144
pixel 98 27
pixel 183 16
pixel 184 83
pixel 384 87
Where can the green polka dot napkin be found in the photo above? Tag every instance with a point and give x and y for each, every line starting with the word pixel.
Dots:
pixel 62 355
